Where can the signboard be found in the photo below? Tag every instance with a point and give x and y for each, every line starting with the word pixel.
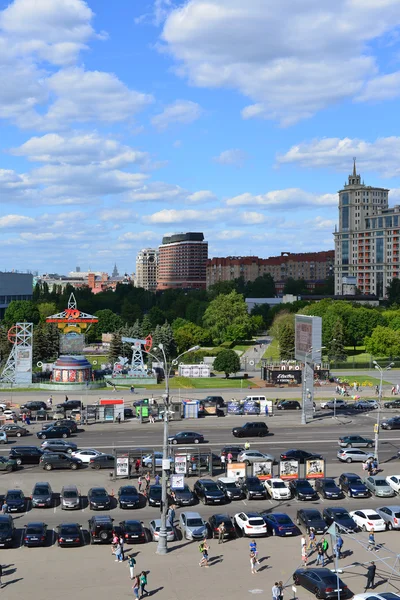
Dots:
pixel 263 470
pixel 122 466
pixel 23 364
pixel 236 470
pixel 308 338
pixel 181 464
pixel 177 482
pixel 289 469
pixel 72 343
pixel 315 468
pixel 284 377
pixel 251 407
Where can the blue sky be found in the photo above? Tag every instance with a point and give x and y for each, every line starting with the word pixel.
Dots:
pixel 123 121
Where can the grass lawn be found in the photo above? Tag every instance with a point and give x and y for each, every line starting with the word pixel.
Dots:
pixel 272 351
pixel 188 383
pixel 365 382
pixel 97 360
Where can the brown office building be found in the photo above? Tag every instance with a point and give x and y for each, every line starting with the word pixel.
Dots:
pixel 182 262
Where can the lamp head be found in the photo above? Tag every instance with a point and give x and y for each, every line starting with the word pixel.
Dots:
pixel 193 349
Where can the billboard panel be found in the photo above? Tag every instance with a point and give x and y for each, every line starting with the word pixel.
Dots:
pixel 308 334
pixel 315 468
pixel 72 343
pixel 23 364
pixel 181 464
pixel 122 466
pixel 289 469
pixel 263 470
pixel 236 470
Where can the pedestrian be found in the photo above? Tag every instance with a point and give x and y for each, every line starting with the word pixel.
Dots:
pixel 223 462
pixel 247 445
pixel 325 547
pixel 253 547
pixel 147 482
pixel 276 592
pixel 204 560
pixel 50 401
pixel 118 419
pixel 131 565
pixel 157 479
pixel 253 563
pixel 221 532
pixel 118 553
pixel 302 541
pixel 139 483
pixel 4 508
pixel 312 543
pixel 397 389
pixel 377 390
pixel 115 538
pixel 151 418
pixel 132 389
pixel 23 418
pixel 136 586
pixel 320 555
pixel 143 583
pixel 281 590
pixel 371 540
pixel 66 398
pixel 371 570
pixel 374 466
pixel 304 555
pixel 137 466
pixel 121 544
pixel 171 515
pixel 339 546
pixel 266 410
pixel 229 457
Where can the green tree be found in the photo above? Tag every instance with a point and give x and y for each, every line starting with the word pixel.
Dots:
pixel 130 312
pixel 361 323
pixel 108 322
pixel 20 311
pixel 146 326
pixel 383 342
pixel 116 347
pixel 393 291
pixel 295 286
pixel 227 361
pixel 156 316
pixel 190 335
pixel 286 340
pixel 225 312
pixel 5 345
pixel 261 287
pixel 336 351
pixel 46 309
pixel 178 323
pixel 220 287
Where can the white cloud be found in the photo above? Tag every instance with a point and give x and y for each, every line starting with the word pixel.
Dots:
pixel 181 111
pixel 228 234
pixel 291 197
pixel 117 214
pixel 156 191
pixel 17 222
pixel 252 218
pixel 177 144
pixel 233 157
pixel 382 155
pixel 201 196
pixel 140 236
pixel 182 216
pixel 383 87
pixel 291 61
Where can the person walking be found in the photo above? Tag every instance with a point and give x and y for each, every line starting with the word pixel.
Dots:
pixel 304 555
pixel 139 482
pixel 371 540
pixel 171 515
pixel 247 445
pixel 137 466
pixel 229 457
pixel 312 542
pixel 223 462
pixel 221 532
pixel 339 546
pixel 371 571
pixel 131 565
pixel 119 419
pixel 204 560
pixel 253 563
pixel 276 592
pixel 325 547
pixel 121 544
pixel 143 583
pixel 4 508
pixel 147 482
pixel 320 555
pixel 253 547
pixel 118 553
pixel 136 586
pixel 281 590
pixel 157 479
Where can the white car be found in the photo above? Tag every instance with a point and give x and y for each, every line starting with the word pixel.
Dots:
pixel 3 406
pixel 368 519
pixel 9 414
pixel 86 455
pixel 372 595
pixel 394 482
pixel 251 456
pixel 251 524
pixel 277 489
pixel 334 403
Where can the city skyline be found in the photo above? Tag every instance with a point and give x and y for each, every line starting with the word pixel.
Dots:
pixel 120 125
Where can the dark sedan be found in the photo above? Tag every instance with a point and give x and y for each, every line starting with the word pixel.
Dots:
pixel 279 524
pixel 14 430
pixel 186 437
pixel 303 490
pixel 327 488
pixel 98 499
pixel 300 455
pixel 341 517
pixel 215 521
pixel 208 492
pixel 393 423
pixel 182 496
pixel 252 488
pixel 63 422
pixel 69 534
pixel 154 495
pixel 392 404
pixel 59 446
pixel 15 501
pixel 102 461
pixel 128 497
pixel 35 534
pixel 289 405
pixel 321 582
pixel 59 431
pixel 133 531
pixel 311 518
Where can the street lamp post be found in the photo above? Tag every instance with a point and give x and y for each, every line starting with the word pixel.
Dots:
pixel 304 384
pixel 377 424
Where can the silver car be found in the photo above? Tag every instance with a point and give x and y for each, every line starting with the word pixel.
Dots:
pixel 154 528
pixel 251 456
pixel 70 498
pixel 192 526
pixel 391 516
pixel 379 486
pixel 350 455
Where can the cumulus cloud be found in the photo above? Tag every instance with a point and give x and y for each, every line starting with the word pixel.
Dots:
pixel 17 222
pixel 233 157
pixel 201 196
pixel 290 68
pixel 156 191
pixel 181 111
pixel 291 197
pixel 117 214
pixel 383 87
pixel 140 236
pixel 184 216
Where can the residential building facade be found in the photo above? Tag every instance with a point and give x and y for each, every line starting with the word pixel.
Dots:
pixel 182 261
pixel 14 286
pixel 146 269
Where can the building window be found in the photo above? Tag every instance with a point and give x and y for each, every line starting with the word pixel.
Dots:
pixel 388 222
pixel 345 253
pixel 379 250
pixel 345 199
pixel 345 218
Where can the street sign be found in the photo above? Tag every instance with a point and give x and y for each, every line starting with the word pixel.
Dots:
pixel 122 466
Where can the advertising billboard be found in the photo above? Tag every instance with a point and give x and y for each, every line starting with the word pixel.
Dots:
pixel 236 470
pixel 315 468
pixel 122 466
pixel 23 364
pixel 263 470
pixel 308 338
pixel 289 469
pixel 177 481
pixel 181 464
pixel 72 343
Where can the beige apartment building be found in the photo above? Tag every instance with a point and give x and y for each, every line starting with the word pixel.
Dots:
pixel 146 269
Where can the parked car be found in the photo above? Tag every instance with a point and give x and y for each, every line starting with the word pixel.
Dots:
pixel 234 450
pixel 352 484
pixel 250 524
pixel 279 524
pixel 3 437
pixel 147 461
pixel 192 526
pixel 322 582
pixel 251 456
pixel 70 498
pixel 186 437
pixel 15 500
pixel 341 517
pixel 101 529
pixel 35 534
pixel 368 519
pixel 102 461
pixel 7 531
pixel 154 495
pixel 365 404
pixel 277 489
pixel 26 455
pixel 377 596
pixel 12 430
pixel 7 464
pixel 33 405
pixel 394 482
pixel 391 516
pixel 311 517
pixel 300 455
pixel 69 534
pixel 56 431
pixel 350 455
pixel 253 489
pixel 98 499
pixel 379 486
pixel 59 446
pixel 128 497
pixel 42 495
pixel 392 404
pixel 230 487
pixel 289 405
pixel 327 488
pixel 393 423
pixel 133 531
pixel 355 441
pixel 208 492
pixel 182 496
pixel 154 529
pixel 86 455
pixel 215 521
pixel 59 460
pixel 336 403
pixel 303 490
pixel 251 429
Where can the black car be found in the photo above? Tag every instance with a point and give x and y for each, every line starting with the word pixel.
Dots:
pixel 128 497
pixel 103 461
pixel 56 431
pixel 303 490
pixel 59 446
pixel 215 521
pixel 327 488
pixel 230 488
pixel 129 414
pixel 42 495
pixel 59 460
pixel 15 500
pixel 69 534
pixel 351 484
pixel 234 450
pixel 182 496
pixel 251 429
pixel 35 534
pixel 33 405
pixel 392 404
pixel 311 517
pixel 208 492
pixel 70 405
pixel 154 495
pixel 98 499
pixel 289 405
pixel 186 437
pixel 64 422
pixel 101 529
pixel 320 581
pixel 133 531
pixel 252 488
pixel 393 423
pixel 26 455
pixel 300 455
pixel 341 517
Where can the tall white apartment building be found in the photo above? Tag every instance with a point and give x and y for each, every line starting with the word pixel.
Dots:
pixel 146 269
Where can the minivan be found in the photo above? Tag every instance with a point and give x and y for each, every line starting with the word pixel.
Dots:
pixel 70 498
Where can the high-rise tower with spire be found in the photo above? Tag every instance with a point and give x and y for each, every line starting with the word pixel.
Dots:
pixel 115 271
